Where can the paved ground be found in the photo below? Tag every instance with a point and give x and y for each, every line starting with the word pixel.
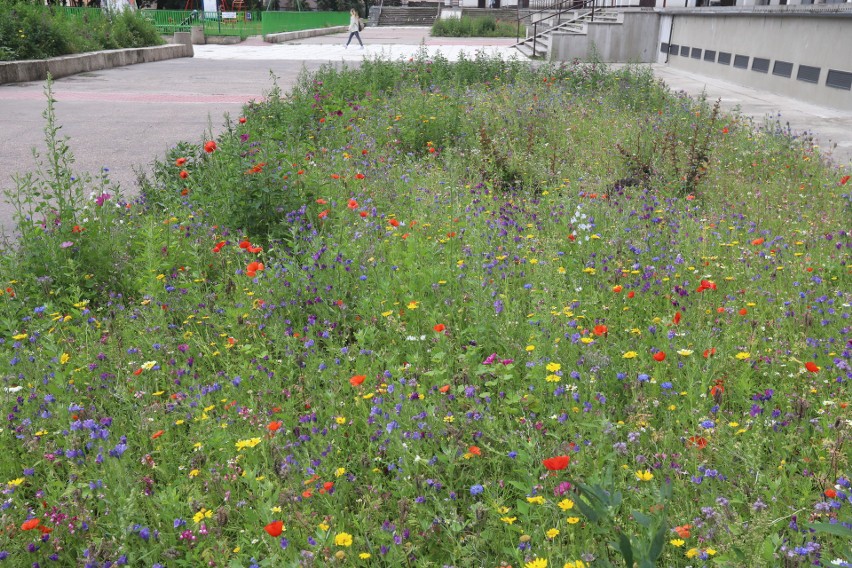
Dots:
pixel 124 118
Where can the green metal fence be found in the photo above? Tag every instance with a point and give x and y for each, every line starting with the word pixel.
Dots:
pixel 171 21
pixel 85 14
pixel 277 22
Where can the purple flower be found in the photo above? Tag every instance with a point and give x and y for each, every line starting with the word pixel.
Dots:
pixel 476 489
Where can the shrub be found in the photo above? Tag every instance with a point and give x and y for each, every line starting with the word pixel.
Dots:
pixel 480 26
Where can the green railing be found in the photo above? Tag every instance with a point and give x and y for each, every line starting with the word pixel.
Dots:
pixel 85 14
pixel 277 22
pixel 171 21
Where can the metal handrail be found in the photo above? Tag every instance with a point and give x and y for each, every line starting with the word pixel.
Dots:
pixel 560 8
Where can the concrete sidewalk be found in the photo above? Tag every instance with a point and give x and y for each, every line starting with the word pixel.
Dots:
pixel 124 118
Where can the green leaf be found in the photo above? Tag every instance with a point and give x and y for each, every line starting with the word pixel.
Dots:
pixel 587 511
pixel 626 550
pixel 642 519
pixel 836 529
pixel 657 544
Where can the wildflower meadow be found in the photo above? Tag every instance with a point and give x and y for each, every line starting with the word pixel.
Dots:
pixel 423 313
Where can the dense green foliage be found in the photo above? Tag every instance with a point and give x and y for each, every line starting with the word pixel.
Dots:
pixel 473 26
pixel 32 31
pixel 436 314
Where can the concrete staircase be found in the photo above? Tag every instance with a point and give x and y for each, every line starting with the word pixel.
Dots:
pixel 403 16
pixel 537 44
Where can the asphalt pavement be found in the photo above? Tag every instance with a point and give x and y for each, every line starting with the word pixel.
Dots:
pixel 122 119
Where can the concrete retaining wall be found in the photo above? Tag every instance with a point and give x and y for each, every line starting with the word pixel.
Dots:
pixel 37 70
pixel 289 36
pixel 635 40
pixel 785 53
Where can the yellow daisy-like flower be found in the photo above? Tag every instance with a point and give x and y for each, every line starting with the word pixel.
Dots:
pixel 201 515
pixel 566 504
pixel 64 358
pixel 148 365
pixel 530 348
pixel 340 471
pixel 19 337
pixel 194 473
pixel 340 420
pixel 630 355
pixel 365 556
pixel 561 270
pixel 15 482
pixel 537 563
pixel 538 500
pixel 644 475
pixel 323 527
pixel 552 378
pixel 575 564
pixel 692 553
pixel 587 340
pixel 250 443
pixel 677 542
pixel 343 539
pixel 552 533
pixel 742 355
pixel 413 305
pixel 710 551
pixel 684 352
pixel 553 367
pixel 387 313
pixel 573 520
pixel 508 520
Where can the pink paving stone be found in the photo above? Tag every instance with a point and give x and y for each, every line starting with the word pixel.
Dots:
pixel 70 96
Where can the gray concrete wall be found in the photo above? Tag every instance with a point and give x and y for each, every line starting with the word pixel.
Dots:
pixel 634 41
pixel 810 39
pixel 37 70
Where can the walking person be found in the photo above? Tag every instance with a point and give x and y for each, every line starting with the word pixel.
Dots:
pixel 355 26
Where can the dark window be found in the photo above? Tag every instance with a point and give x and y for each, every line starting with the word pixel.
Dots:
pixel 724 58
pixel 664 48
pixel 808 74
pixel 760 65
pixel 709 55
pixel 696 53
pixel 741 61
pixel 673 49
pixel 684 51
pixel 839 79
pixel 782 69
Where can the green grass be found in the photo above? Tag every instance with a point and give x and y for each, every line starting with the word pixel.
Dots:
pixel 356 330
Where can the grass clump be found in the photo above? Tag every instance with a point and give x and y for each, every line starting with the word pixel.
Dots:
pixel 416 314
pixel 473 26
pixel 33 31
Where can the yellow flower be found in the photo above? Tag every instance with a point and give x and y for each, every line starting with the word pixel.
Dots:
pixel 692 553
pixel 365 556
pixel 553 367
pixel 561 270
pixel 552 378
pixel 743 355
pixel 538 500
pixel 710 551
pixel 340 420
pixel 566 504
pixel 684 352
pixel 387 313
pixel 343 539
pixel 575 564
pixel 194 473
pixel 413 305
pixel 250 443
pixel 275 509
pixel 64 358
pixel 573 520
pixel 322 526
pixel 508 520
pixel 537 563
pixel 340 471
pixel 148 365
pixel 630 355
pixel 15 482
pixel 201 515
pixel 552 533
pixel 530 348
pixel 677 542
pixel 644 475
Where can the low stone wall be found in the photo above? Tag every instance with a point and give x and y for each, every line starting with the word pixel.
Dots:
pixel 37 70
pixel 290 36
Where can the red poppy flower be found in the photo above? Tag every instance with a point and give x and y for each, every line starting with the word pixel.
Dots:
pixel 830 493
pixel 77 229
pixel 475 450
pixel 444 389
pixel 210 146
pixel 321 201
pixel 676 318
pixel 180 161
pixel 335 176
pixel 30 524
pixel 709 352
pixel 274 529
pixel 157 434
pixel 362 213
pixel 683 531
pixel 356 380
pixel 725 130
pixel 556 463
pixel 600 330
pixel 242 120
pixel 631 293
pixel 660 356
pixel 183 174
pixel 718 388
pixel 697 441
pixel 811 366
pixel 328 485
pixel 757 241
pixel 743 311
pixel 323 214
pixel 274 426
pixel 844 180
pixel 440 327
pixel 359 176
pixel 394 223
pixel 245 244
pixel 617 288
pixel 352 204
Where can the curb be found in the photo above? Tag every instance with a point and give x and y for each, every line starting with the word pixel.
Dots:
pixel 38 69
pixel 289 36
